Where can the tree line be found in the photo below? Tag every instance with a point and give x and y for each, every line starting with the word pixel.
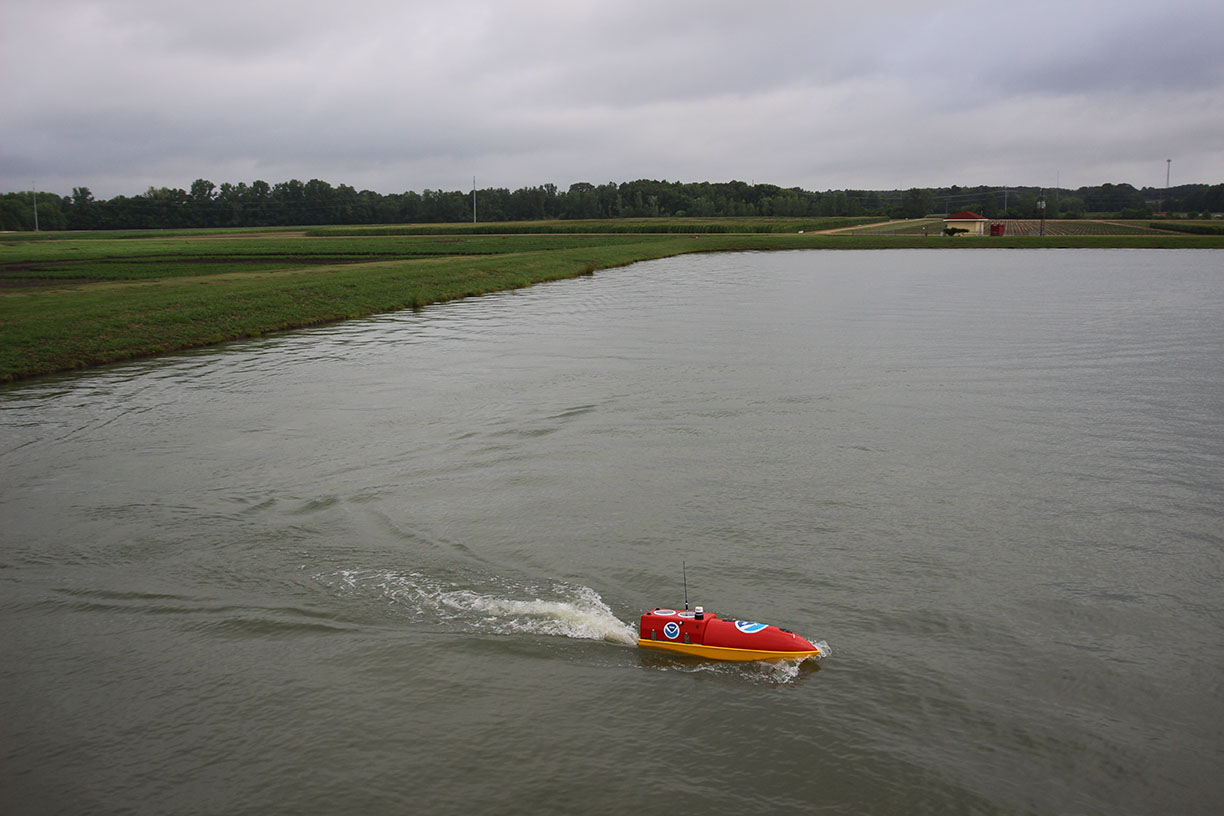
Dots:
pixel 315 202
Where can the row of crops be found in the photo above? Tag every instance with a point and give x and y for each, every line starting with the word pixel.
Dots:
pixel 1033 227
pixel 1015 227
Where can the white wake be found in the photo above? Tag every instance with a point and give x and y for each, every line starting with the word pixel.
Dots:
pixel 559 609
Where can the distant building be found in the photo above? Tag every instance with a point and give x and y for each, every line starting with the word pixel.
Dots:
pixel 970 221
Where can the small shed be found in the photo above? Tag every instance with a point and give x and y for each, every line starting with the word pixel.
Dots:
pixel 969 221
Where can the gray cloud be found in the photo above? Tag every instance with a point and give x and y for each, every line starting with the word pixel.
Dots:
pixel 119 95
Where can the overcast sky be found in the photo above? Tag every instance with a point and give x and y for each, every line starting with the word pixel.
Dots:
pixel 394 95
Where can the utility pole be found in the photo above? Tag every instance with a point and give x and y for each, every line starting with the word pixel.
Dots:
pixel 1041 209
pixel 34 195
pixel 1164 199
pixel 473 199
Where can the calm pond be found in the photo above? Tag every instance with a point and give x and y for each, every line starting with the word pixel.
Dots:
pixel 395 565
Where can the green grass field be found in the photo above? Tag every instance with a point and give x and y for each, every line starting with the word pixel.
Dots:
pixel 72 300
pixel 99 258
pixel 631 226
pixel 1020 227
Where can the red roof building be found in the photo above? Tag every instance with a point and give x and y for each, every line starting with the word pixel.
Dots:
pixel 969 221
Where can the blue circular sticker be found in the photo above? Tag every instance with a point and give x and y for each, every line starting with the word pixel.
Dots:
pixel 749 628
pixel 672 630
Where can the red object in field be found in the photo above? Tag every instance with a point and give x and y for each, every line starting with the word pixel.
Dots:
pixel 707 635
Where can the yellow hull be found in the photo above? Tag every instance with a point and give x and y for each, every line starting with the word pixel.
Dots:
pixel 722 652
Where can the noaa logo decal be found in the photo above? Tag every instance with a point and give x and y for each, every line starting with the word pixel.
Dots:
pixel 672 630
pixel 750 628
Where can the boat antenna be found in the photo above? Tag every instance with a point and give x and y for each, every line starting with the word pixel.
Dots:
pixel 684 574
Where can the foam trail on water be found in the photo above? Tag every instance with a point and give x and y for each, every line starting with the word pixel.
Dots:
pixel 570 611
pixel 586 616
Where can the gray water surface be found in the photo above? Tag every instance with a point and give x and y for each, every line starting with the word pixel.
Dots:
pixel 395 565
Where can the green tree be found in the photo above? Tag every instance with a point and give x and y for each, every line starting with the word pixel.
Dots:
pixel 16 212
pixel 917 202
pixel 201 200
pixel 1206 199
pixel 82 211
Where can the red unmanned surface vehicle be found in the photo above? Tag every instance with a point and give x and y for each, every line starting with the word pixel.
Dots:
pixel 706 635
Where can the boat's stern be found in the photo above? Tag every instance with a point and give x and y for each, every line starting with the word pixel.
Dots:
pixel 672 626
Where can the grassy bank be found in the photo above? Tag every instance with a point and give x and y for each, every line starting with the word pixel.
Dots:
pixel 81 300
pixel 630 226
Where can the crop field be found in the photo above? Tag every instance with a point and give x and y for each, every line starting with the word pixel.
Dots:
pixel 93 258
pixel 1191 226
pixel 1017 227
pixel 634 226
pixel 72 300
pixel 1060 227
